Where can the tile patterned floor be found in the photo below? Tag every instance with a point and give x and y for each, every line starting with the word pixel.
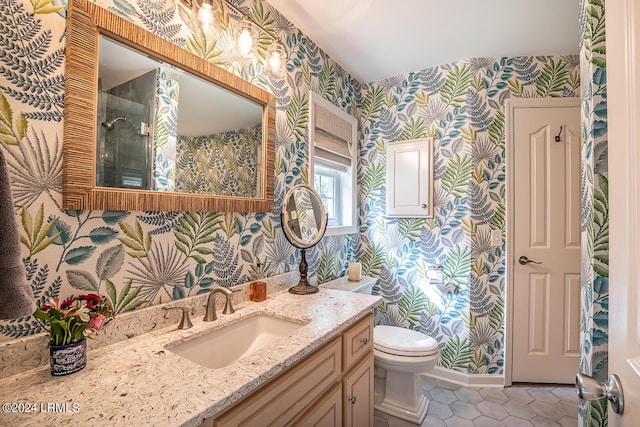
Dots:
pixel 518 406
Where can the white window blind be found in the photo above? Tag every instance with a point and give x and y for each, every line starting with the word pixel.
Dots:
pixel 332 138
pixel 332 162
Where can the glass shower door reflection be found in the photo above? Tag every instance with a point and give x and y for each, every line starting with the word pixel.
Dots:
pixel 123 153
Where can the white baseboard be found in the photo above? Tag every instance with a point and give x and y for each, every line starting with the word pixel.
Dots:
pixel 467 380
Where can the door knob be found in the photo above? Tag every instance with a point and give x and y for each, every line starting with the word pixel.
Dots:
pixel 524 260
pixel 590 389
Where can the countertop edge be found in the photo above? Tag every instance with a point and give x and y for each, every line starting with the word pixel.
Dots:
pixel 144 383
pixel 279 369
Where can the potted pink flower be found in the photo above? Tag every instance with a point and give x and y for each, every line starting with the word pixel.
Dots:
pixel 70 322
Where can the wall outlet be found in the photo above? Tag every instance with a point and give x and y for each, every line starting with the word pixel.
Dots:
pixel 496 238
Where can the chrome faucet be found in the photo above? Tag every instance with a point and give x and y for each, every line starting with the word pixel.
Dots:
pixel 210 308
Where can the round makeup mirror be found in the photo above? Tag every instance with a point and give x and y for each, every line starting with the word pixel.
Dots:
pixel 304 222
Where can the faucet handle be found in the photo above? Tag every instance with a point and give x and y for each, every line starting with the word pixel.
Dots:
pixel 228 307
pixel 185 321
pixel 210 309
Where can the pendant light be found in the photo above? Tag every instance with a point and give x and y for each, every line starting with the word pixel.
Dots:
pixel 245 36
pixel 203 18
pixel 275 59
pixel 206 16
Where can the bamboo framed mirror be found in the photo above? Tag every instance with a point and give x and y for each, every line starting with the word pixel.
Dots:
pixel 111 150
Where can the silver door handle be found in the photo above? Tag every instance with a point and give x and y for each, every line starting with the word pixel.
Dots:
pixel 524 260
pixel 590 389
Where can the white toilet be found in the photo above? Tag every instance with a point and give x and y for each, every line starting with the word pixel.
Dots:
pixel 401 355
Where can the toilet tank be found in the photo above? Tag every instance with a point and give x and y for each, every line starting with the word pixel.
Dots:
pixel 364 286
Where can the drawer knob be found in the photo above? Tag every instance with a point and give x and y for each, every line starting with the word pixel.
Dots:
pixel 364 341
pixel 352 399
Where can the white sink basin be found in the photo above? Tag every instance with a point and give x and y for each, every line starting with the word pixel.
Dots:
pixel 224 346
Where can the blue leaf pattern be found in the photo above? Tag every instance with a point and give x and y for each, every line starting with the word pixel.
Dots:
pixel 474 279
pixel 469 192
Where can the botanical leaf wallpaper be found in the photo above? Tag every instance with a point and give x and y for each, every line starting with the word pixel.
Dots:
pixel 143 258
pixel 595 208
pixel 225 164
pixel 462 106
pixel 165 129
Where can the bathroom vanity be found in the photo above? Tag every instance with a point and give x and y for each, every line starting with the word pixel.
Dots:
pixel 320 373
pixel 332 386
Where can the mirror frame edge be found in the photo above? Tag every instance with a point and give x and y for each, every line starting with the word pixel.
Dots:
pixel 284 215
pixel 85 23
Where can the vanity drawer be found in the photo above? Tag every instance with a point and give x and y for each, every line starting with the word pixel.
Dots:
pixel 281 400
pixel 357 341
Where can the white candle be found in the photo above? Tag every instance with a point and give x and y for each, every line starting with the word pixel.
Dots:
pixel 355 271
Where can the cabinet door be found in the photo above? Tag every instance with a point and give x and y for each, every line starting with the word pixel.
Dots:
pixel 281 400
pixel 410 178
pixel 357 387
pixel 325 413
pixel 357 341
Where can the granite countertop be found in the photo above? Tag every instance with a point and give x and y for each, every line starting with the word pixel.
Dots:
pixel 139 382
pixel 344 284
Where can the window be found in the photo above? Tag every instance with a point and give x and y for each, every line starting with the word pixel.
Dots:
pixel 332 147
pixel 326 181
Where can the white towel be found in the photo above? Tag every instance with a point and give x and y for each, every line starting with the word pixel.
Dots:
pixel 16 295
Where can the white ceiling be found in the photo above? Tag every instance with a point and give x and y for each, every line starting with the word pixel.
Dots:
pixel 378 39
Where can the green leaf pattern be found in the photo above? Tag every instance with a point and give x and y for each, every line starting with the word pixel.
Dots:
pixel 194 231
pixel 226 163
pixel 595 210
pixel 157 255
pixel 457 175
pixel 465 309
pixel 458 80
pixel 79 245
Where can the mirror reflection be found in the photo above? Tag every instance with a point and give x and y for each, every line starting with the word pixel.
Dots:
pixel 304 222
pixel 141 170
pixel 304 216
pixel 162 129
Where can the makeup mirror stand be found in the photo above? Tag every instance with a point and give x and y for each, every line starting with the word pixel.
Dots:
pixel 295 236
pixel 303 287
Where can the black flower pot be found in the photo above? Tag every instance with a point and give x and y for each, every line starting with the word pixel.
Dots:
pixel 69 358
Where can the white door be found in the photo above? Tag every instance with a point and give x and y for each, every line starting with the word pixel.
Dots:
pixel 546 218
pixel 623 88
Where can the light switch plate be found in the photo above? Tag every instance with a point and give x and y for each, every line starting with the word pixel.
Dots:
pixel 496 238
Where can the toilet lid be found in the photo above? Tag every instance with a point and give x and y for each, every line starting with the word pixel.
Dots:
pixel 403 342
